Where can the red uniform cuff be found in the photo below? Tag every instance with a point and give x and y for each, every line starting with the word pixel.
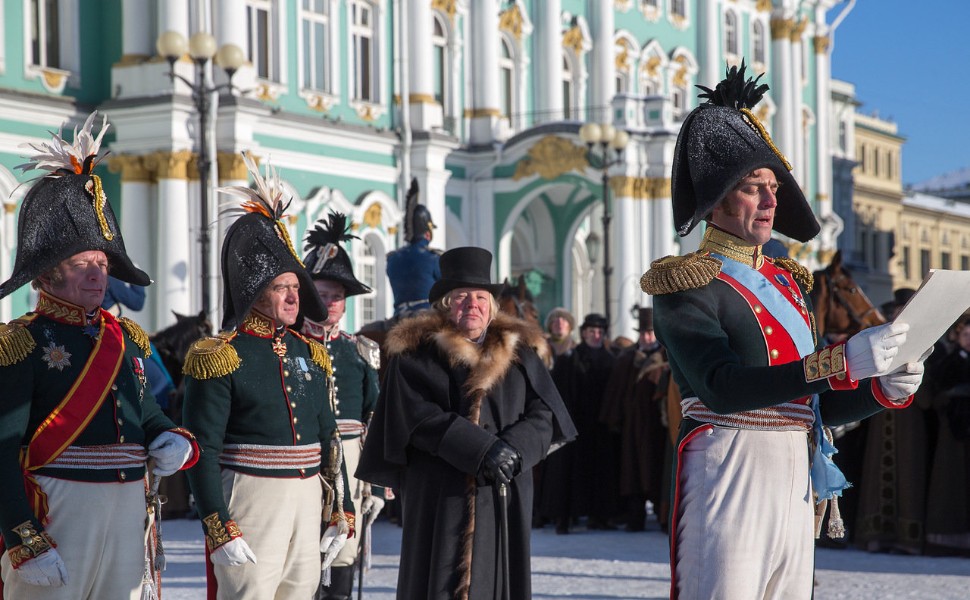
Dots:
pixel 886 401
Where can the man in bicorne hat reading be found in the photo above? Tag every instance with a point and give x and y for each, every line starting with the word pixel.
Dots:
pixel 78 420
pixel 756 386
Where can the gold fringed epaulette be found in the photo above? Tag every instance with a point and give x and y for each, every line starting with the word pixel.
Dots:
pixel 137 335
pixel 318 353
pixel 15 343
pixel 678 273
pixel 800 273
pixel 212 357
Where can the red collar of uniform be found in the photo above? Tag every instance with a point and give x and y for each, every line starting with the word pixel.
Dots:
pixel 62 311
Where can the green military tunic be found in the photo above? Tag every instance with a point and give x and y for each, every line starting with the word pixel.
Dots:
pixel 42 355
pixel 257 385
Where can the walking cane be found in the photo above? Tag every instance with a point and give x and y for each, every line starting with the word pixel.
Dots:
pixel 503 510
pixel 361 549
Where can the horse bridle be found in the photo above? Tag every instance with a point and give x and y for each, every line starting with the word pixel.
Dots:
pixel 837 291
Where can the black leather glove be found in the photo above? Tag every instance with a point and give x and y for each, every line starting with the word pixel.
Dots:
pixel 501 463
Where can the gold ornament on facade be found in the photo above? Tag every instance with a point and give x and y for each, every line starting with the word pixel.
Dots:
pixel 510 21
pixel 366 112
pixel 446 6
pixel 169 165
pixel 652 66
pixel 54 79
pixel 550 157
pixel 373 216
pixel 821 43
pixel 10 207
pixel 798 29
pixel 781 28
pixel 573 39
pixel 763 6
pixel 131 167
pixel 640 188
pixel 622 58
pixel 232 167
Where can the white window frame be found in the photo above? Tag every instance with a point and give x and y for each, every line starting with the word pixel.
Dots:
pixel 648 85
pixel 55 79
pixel 369 259
pixel 732 34
pixel 679 18
pixel 310 50
pixel 759 37
pixel 570 100
pixel 440 51
pixel 274 64
pixel 371 33
pixel 507 89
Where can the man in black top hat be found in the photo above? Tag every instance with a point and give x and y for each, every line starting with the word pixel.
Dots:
pixel 258 395
pixel 755 385
pixel 355 360
pixel 467 405
pixel 77 417
pixel 413 268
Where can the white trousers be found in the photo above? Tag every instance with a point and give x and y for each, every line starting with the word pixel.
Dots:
pixel 280 520
pixel 99 529
pixel 348 554
pixel 745 517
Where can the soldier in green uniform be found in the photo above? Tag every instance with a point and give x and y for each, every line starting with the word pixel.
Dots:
pixel 77 418
pixel 258 395
pixel 355 360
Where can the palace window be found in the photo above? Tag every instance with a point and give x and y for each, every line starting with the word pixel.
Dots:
pixel 367 267
pixel 758 42
pixel 678 8
pixel 567 88
pixel 924 262
pixel 363 40
pixel 261 24
pixel 45 49
pixel 506 79
pixel 730 33
pixel 439 43
pixel 906 263
pixel 316 22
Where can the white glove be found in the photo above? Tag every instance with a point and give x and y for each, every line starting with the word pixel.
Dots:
pixel 233 553
pixel 904 381
pixel 331 543
pixel 869 352
pixel 371 507
pixel 170 451
pixel 47 569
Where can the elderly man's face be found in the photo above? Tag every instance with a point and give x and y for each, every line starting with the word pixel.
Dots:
pixel 81 279
pixel 593 336
pixel 748 210
pixel 470 310
pixel 280 300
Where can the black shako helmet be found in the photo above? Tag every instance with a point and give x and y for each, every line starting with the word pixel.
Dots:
pixel 465 267
pixel 720 142
pixel 327 259
pixel 257 250
pixel 417 217
pixel 67 212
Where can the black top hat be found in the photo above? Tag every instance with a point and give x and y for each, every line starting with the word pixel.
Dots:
pixel 594 320
pixel 67 212
pixel 327 259
pixel 719 143
pixel 257 250
pixel 417 217
pixel 465 267
pixel 645 319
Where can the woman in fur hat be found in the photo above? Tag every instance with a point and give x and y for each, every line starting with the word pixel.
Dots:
pixel 467 405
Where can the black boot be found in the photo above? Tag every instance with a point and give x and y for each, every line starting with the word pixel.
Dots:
pixel 341 584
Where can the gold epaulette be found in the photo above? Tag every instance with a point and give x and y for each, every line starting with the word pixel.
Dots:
pixel 369 350
pixel 212 357
pixel 15 343
pixel 137 335
pixel 318 353
pixel 678 273
pixel 800 273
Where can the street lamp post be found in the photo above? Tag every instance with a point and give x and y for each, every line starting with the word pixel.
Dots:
pixel 202 48
pixel 611 143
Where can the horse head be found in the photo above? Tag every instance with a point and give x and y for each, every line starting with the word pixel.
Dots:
pixel 840 304
pixel 174 341
pixel 516 300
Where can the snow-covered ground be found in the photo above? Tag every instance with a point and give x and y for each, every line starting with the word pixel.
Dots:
pixel 600 565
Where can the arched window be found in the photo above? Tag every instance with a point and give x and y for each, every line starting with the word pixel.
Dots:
pixel 730 33
pixel 439 41
pixel 366 267
pixel 758 42
pixel 506 79
pixel 678 8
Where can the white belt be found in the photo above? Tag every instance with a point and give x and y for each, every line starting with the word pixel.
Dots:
pixel 107 457
pixel 258 456
pixel 789 416
pixel 350 427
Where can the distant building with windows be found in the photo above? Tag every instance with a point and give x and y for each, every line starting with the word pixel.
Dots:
pixel 480 100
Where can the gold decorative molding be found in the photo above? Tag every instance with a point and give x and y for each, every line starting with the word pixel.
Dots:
pixel 374 215
pixel 511 21
pixel 640 188
pixel 232 167
pixel 762 113
pixel 763 6
pixel 319 102
pixel 821 197
pixel 622 58
pixel 781 28
pixel 10 207
pixel 421 99
pixel 446 6
pixel 798 29
pixel 132 168
pixel 550 157
pixel 170 165
pixel 131 60
pixel 680 76
pixel 821 43
pixel 652 66
pixel 573 39
pixel 475 113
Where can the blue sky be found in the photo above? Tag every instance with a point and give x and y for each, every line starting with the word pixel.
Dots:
pixel 910 61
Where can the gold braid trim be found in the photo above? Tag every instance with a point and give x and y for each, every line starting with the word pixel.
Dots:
pixel 99 201
pixel 800 273
pixel 15 343
pixel 137 335
pixel 31 544
pixel 754 122
pixel 217 534
pixel 318 353
pixel 678 273
pixel 212 357
pixel 285 236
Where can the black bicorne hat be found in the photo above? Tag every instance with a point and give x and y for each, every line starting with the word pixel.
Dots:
pixel 719 143
pixel 67 212
pixel 327 259
pixel 417 217
pixel 257 250
pixel 465 267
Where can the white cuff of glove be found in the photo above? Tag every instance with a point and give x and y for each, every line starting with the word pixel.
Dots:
pixel 46 569
pixel 903 382
pixel 233 553
pixel 170 451
pixel 870 352
pixel 331 543
pixel 371 507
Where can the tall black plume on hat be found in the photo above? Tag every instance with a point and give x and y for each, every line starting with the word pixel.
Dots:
pixel 326 257
pixel 410 205
pixel 734 91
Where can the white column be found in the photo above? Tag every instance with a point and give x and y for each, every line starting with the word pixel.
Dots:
pixel 229 23
pixel 140 234
pixel 602 65
pixel 425 111
pixel 173 15
pixel 176 280
pixel 548 58
pixel 627 237
pixel 823 114
pixel 137 40
pixel 711 65
pixel 797 156
pixel 783 132
pixel 485 104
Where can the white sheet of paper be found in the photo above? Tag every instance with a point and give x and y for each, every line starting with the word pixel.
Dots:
pixel 940 300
